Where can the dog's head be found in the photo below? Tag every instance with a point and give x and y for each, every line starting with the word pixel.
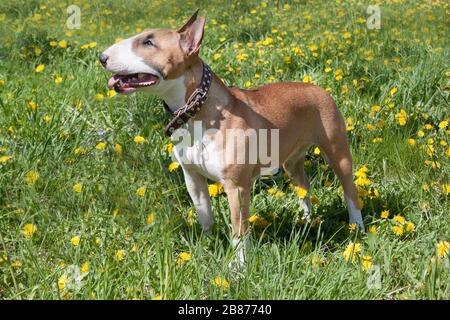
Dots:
pixel 151 58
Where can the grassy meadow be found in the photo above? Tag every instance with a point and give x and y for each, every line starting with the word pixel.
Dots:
pixel 92 207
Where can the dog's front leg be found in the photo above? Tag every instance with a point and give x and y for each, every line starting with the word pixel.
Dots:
pixel 197 186
pixel 239 202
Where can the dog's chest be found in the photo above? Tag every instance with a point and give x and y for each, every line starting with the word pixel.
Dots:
pixel 203 154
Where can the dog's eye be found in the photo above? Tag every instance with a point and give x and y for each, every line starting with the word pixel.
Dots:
pixel 148 43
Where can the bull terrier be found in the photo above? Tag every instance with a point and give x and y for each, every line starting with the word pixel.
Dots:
pixel 166 63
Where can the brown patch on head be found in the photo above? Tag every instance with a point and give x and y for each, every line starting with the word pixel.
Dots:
pixel 171 52
pixel 160 48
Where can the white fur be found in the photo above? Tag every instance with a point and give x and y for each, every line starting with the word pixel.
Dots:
pixel 354 213
pixel 122 60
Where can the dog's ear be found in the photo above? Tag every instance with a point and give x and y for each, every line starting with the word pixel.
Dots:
pixel 191 38
pixel 189 22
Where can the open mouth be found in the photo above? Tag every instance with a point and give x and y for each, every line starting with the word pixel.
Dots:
pixel 131 82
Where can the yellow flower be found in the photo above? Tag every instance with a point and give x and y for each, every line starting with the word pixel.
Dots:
pixel 141 191
pixel 101 146
pixel 118 149
pixel 258 221
pixel 221 282
pixel 316 151
pixel 150 218
pixel 215 189
pixel 443 124
pixel 31 177
pixel 85 267
pixel 307 79
pixel 47 119
pixel 173 166
pixel 120 254
pixel 384 214
pixel 183 257
pixel 3 159
pixel 169 148
pixel 16 264
pixel 158 297
pixel 398 230
pixel 53 43
pixel 411 142
pixel 352 227
pixel 77 187
pixel 366 262
pixel 410 227
pixel 401 117
pixel 420 133
pixel 301 193
pixel 443 248
pixel 63 44
pixel 399 219
pixel 352 251
pixel 99 97
pixel 375 108
pixel 373 230
pixel 75 241
pixel 62 282
pixel 58 79
pixel 111 93
pixel 79 151
pixel 393 91
pixel 115 212
pixel 139 139
pixel 28 230
pixel 40 68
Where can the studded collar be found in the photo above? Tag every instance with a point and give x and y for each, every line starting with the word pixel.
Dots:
pixel 193 104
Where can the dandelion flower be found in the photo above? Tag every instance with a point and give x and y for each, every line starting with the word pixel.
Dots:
pixel 352 251
pixel 120 254
pixel 40 68
pixel 150 218
pixel 366 262
pixel 62 281
pixel 31 177
pixel 63 44
pixel 140 139
pixel 173 166
pixel 399 219
pixel 75 241
pixel 221 282
pixel 373 230
pixel 28 230
pixel 77 187
pixel 141 191
pixel 183 257
pixel 398 230
pixel 101 146
pixel 442 249
pixel 85 267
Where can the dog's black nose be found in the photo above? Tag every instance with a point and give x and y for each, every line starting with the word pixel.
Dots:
pixel 103 58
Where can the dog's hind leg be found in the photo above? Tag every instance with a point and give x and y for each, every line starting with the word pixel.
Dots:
pixel 197 186
pixel 337 152
pixel 294 167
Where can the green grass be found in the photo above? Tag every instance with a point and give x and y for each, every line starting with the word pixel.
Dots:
pixel 410 52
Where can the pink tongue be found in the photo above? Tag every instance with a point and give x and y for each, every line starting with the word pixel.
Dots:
pixel 112 81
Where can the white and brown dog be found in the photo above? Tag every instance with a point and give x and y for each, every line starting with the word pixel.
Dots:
pixel 166 63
